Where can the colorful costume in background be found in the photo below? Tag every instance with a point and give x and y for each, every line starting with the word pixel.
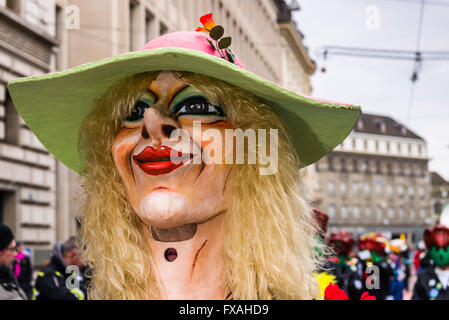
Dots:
pixel 23 271
pixel 400 263
pixel 373 253
pixel 349 271
pixel 432 282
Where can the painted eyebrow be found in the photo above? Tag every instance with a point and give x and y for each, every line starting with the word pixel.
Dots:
pixel 177 93
pixel 154 95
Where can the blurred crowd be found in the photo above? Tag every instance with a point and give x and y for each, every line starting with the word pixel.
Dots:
pixel 63 277
pixel 388 269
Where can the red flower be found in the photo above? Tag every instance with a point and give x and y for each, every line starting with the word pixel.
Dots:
pixel 333 292
pixel 207 22
pixel 366 296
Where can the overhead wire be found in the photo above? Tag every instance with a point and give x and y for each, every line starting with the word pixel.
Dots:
pixel 418 62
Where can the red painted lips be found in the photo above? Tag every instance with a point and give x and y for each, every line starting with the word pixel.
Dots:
pixel 158 161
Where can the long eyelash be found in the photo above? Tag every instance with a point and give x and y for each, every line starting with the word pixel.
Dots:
pixel 201 99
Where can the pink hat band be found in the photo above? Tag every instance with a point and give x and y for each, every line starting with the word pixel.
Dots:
pixel 192 40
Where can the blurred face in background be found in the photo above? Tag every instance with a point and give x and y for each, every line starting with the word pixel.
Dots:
pixel 73 258
pixel 8 254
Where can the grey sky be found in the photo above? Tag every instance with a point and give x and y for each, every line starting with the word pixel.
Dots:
pixel 383 86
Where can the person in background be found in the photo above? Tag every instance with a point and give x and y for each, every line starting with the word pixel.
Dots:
pixel 9 286
pixel 399 265
pixel 433 280
pixel 349 270
pixel 53 282
pixel 373 253
pixel 23 270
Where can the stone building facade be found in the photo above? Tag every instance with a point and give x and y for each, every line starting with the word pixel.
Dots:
pixel 377 180
pixel 440 195
pixel 28 184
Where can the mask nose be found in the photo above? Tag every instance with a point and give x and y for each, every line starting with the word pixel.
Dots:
pixel 157 126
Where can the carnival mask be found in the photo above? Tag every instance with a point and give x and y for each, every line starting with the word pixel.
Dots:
pixel 167 185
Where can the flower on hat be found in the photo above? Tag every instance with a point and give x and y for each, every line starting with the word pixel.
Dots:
pixel 208 22
pixel 216 33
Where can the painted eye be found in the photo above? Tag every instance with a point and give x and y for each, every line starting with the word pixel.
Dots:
pixel 138 111
pixel 197 106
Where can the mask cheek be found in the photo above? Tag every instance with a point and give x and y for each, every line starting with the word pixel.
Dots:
pixel 122 151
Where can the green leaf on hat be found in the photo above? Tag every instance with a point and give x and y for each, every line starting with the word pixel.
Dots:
pixel 224 43
pixel 216 32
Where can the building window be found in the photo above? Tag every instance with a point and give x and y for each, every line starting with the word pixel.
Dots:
pixel 377 146
pixel 379 213
pixel 378 171
pixel 388 146
pixel 406 169
pixel 420 150
pixel 344 212
pixel 390 213
pixel 12 122
pixel 401 169
pixel 437 207
pixel 331 211
pixel 401 212
pixel 378 186
pixel 422 213
pixel 342 165
pixel 355 165
pixel 367 188
pixel 13 5
pixel 343 188
pixel 412 213
pixel 331 187
pixel 400 190
pixel 412 170
pixel 355 188
pixel 399 147
pixel 356 212
pixel 422 170
pixel 389 191
pixel 364 166
pixel 368 212
pixel 421 192
pixel 149 18
pixel 330 163
pixel 163 29
pixel 411 191
pixel 133 20
pixel 389 169
pixel 409 146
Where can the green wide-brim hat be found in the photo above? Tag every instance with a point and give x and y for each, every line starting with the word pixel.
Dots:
pixel 54 105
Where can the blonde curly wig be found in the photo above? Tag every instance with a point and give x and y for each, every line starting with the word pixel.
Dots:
pixel 270 234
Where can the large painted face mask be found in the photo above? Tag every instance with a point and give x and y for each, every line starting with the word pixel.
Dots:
pixel 437 242
pixel 170 182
